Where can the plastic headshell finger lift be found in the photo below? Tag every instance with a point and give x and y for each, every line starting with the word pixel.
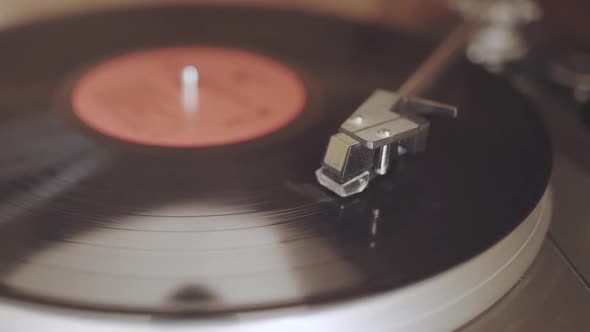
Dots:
pixel 386 126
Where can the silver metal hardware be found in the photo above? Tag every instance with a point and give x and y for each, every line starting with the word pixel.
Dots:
pixel 362 149
pixel 497 38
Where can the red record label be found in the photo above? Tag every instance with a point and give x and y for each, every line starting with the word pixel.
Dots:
pixel 141 98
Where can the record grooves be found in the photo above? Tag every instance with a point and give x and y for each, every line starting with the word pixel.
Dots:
pixel 97 223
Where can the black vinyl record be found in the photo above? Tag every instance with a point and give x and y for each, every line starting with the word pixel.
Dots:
pixel 90 221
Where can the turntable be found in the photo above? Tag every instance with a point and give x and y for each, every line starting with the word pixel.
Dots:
pixel 231 168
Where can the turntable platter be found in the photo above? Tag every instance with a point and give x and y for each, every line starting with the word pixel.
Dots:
pixel 90 220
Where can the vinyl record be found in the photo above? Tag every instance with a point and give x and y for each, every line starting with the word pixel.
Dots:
pixel 108 204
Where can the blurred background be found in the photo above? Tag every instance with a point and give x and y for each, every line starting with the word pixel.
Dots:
pixel 567 17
